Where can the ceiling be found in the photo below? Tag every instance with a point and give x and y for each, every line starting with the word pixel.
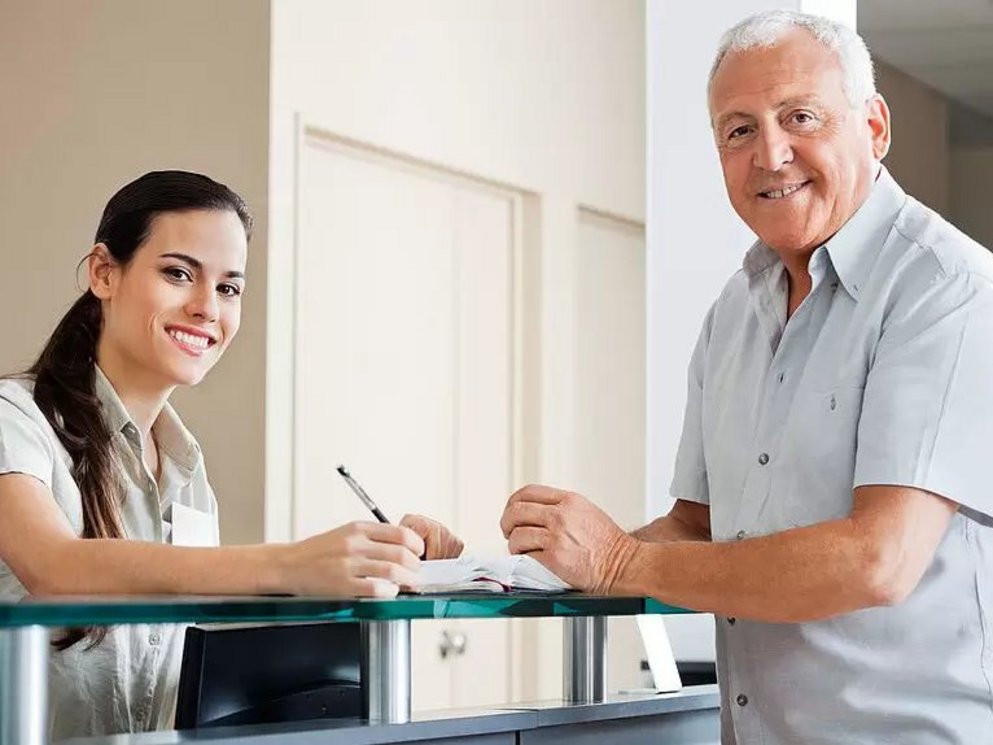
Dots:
pixel 947 44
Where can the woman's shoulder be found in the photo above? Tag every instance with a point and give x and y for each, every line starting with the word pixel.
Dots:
pixel 27 441
pixel 17 392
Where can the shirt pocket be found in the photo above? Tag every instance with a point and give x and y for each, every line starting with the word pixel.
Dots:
pixel 819 450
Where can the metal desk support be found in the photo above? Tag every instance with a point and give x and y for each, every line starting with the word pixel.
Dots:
pixel 24 685
pixel 385 671
pixel 584 673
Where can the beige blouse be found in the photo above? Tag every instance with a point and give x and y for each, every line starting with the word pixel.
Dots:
pixel 127 683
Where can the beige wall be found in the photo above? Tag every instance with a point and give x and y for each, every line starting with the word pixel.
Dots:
pixel 96 92
pixel 972 187
pixel 919 156
pixel 544 96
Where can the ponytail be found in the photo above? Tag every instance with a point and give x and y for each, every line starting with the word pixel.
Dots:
pixel 65 392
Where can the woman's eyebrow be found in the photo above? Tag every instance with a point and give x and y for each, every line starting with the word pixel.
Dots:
pixel 198 265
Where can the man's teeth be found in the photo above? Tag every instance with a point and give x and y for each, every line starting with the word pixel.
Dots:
pixel 192 340
pixel 780 193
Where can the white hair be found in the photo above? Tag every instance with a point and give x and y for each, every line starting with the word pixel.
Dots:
pixel 767 28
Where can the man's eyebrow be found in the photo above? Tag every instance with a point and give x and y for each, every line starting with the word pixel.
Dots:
pixel 198 265
pixel 724 119
pixel 790 103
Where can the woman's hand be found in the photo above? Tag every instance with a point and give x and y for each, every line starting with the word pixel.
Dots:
pixel 362 559
pixel 439 541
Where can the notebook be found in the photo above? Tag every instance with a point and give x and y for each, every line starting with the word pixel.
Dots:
pixel 495 574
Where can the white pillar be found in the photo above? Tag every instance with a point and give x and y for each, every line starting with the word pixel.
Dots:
pixel 695 241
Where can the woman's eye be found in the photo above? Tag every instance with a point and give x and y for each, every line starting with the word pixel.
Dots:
pixel 229 290
pixel 802 117
pixel 178 273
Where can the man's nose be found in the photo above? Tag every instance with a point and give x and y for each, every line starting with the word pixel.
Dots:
pixel 773 149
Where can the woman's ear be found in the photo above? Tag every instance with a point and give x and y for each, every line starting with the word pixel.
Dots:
pixel 101 268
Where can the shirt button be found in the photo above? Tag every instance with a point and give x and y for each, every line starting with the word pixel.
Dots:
pixel 731 620
pixel 834 403
pixel 742 699
pixel 763 458
pixel 740 534
pixel 155 639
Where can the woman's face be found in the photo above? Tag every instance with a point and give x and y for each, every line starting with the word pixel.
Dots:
pixel 170 313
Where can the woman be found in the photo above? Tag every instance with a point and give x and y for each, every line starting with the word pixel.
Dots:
pixel 91 453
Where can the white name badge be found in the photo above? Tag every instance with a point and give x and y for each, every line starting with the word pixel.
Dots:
pixel 192 527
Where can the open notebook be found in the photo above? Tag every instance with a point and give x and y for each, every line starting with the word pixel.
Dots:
pixel 496 574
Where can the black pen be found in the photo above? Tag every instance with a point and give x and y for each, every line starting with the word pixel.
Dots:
pixel 367 501
pixel 360 493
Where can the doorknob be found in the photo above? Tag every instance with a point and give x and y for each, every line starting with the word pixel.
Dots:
pixel 452 643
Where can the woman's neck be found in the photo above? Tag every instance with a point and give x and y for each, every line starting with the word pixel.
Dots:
pixel 142 398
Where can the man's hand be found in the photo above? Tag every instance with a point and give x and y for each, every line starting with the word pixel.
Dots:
pixel 439 541
pixel 569 535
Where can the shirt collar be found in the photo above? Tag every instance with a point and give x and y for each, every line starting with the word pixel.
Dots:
pixel 854 248
pixel 171 436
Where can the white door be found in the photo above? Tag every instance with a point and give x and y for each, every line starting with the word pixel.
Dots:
pixel 610 342
pixel 404 369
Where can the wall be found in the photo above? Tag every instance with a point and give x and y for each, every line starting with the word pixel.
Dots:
pixel 545 97
pixel 971 187
pixel 919 156
pixel 96 92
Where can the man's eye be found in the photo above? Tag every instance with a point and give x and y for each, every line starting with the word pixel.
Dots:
pixel 802 117
pixel 738 132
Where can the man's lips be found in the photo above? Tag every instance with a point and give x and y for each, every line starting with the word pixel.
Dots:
pixel 782 191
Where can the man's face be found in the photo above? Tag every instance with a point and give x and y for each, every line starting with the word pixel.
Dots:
pixel 798 159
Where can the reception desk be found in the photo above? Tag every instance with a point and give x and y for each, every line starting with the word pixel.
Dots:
pixel 585 706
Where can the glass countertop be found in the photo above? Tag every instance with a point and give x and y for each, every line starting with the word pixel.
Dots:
pixel 107 610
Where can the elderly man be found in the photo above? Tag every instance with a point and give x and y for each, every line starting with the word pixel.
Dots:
pixel 834 495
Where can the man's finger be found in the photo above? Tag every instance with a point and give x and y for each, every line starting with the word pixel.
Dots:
pixel 522 514
pixel 525 540
pixel 538 493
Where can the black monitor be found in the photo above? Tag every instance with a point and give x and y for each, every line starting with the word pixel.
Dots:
pixel 267 674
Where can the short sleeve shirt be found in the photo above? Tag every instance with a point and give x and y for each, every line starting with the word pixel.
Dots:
pixel 128 682
pixel 883 375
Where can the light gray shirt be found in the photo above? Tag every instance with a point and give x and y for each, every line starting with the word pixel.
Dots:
pixel 883 375
pixel 129 681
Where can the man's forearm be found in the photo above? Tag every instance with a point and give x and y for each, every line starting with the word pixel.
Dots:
pixel 665 529
pixel 686 521
pixel 798 575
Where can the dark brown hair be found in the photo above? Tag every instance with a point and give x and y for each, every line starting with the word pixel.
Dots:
pixel 64 372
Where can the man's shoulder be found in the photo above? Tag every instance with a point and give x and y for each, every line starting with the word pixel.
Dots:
pixel 938 247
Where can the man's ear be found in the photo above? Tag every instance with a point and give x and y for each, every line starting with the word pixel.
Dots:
pixel 102 271
pixel 879 124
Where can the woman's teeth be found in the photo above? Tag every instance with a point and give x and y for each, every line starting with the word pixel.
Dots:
pixel 192 340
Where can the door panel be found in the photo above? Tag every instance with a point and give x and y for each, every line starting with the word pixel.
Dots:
pixel 404 368
pixel 610 443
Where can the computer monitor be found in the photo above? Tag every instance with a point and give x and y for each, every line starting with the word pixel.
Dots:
pixel 267 674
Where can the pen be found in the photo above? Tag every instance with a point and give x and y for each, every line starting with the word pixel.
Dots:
pixel 360 493
pixel 367 500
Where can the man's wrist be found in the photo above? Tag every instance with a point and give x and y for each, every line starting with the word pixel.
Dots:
pixel 617 567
